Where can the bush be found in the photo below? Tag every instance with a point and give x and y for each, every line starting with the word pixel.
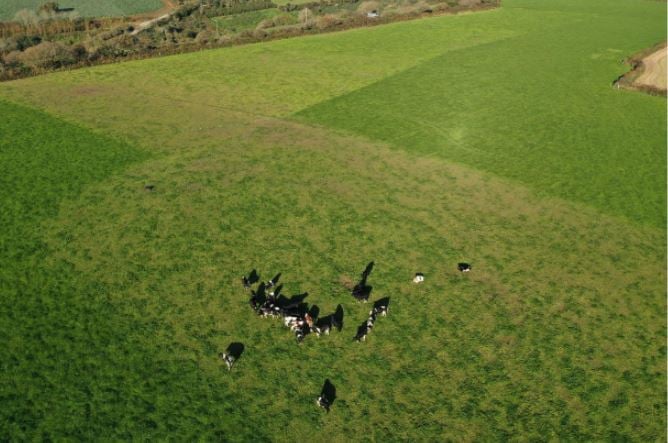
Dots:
pixel 422 6
pixel 13 59
pixel 265 24
pixel 260 34
pixel 24 42
pixel 365 7
pixel 284 20
pixel 47 55
pixel 306 18
pixel 205 36
pixel 327 21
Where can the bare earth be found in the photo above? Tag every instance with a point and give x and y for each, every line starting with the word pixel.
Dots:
pixel 654 72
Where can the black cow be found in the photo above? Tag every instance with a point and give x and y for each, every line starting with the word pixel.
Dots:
pixel 327 396
pixel 463 267
pixel 362 332
pixel 324 325
pixel 370 321
pixel 271 283
pixel 381 306
pixel 232 354
pixel 252 278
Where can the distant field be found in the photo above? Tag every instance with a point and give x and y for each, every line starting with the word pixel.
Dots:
pixel 292 2
pixel 246 20
pixel 86 8
pixel 416 145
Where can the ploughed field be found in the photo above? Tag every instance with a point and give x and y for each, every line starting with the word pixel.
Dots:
pixel 493 138
pixel 85 8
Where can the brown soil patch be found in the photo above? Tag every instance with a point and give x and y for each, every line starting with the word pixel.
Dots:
pixel 648 73
pixel 654 70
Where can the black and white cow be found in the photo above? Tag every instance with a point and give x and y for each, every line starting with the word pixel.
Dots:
pixel 271 283
pixel 362 332
pixel 327 396
pixel 381 306
pixel 232 354
pixel 463 267
pixel 251 279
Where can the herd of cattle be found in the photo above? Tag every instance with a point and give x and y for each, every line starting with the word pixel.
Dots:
pixel 267 301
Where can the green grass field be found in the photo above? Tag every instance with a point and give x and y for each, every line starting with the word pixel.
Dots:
pixel 85 8
pixel 493 138
pixel 246 20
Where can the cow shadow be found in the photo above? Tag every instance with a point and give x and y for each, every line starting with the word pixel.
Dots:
pixel 235 349
pixel 362 290
pixel 338 317
pixel 328 392
pixel 253 277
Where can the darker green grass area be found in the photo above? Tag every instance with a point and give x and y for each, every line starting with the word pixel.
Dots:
pixel 74 364
pixel 537 108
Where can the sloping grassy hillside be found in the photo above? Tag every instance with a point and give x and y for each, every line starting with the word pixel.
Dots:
pixel 115 324
pixel 85 8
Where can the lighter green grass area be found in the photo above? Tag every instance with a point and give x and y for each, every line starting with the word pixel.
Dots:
pixel 282 77
pixel 245 20
pixel 558 333
pixel 292 2
pixel 85 8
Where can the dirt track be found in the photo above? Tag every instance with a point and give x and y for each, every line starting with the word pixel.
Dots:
pixel 654 70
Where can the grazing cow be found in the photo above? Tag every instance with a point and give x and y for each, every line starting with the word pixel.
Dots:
pixel 419 277
pixel 271 283
pixel 302 332
pixel 258 299
pixel 290 320
pixel 228 359
pixel 381 306
pixel 362 291
pixel 370 321
pixel 232 354
pixel 362 331
pixel 149 188
pixel 251 279
pixel 327 396
pixel 323 325
pixel 463 267
pixel 275 293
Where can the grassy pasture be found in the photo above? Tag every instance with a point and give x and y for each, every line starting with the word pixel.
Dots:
pixel 246 20
pixel 550 119
pixel 85 8
pixel 115 322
